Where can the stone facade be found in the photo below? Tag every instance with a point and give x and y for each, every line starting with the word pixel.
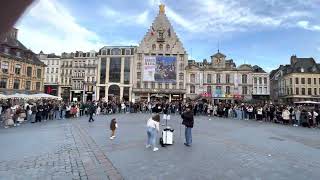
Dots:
pixel 115 73
pixel 21 70
pixel 297 81
pixel 160 40
pixel 220 80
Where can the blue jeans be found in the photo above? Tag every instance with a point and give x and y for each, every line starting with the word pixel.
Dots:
pixel 56 115
pixel 152 135
pixel 239 114
pixel 63 114
pixel 188 135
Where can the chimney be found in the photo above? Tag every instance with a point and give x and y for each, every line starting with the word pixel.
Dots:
pixel 293 59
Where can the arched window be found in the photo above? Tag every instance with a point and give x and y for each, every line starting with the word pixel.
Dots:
pixel 128 51
pixel 153 47
pixel 244 79
pixel 168 47
pixel 192 89
pixel 116 51
pixel 161 47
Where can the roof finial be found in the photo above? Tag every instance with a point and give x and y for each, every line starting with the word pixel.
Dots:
pixel 161 8
pixel 218 47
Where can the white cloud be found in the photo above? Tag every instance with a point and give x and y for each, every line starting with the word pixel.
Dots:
pixel 306 25
pixel 121 17
pixel 50 27
pixel 179 19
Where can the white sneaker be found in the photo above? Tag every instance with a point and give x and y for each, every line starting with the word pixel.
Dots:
pixel 114 137
pixel 155 149
pixel 148 146
pixel 209 119
pixel 111 137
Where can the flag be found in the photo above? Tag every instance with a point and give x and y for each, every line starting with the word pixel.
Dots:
pixel 152 30
pixel 169 32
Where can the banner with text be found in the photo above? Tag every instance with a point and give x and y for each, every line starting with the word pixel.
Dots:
pixel 160 68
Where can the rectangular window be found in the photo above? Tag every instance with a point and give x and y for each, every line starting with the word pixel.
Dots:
pixel 309 91
pixel 244 90
pixel 3 83
pixel 303 91
pixel 181 76
pixel 314 80
pixel 265 80
pixel 209 89
pixel 115 69
pixel 315 91
pixel 127 70
pixel 18 69
pixel 16 84
pixel 297 91
pixel 181 85
pixel 297 80
pixel 218 79
pixel 28 85
pixel 167 86
pixel 138 85
pixel 192 89
pixel 153 85
pixel 309 80
pixel 4 67
pixel 146 85
pixel 209 78
pixel 255 80
pixel 138 75
pixel 260 90
pixel 57 70
pixel 38 86
pixel 29 71
pixel 192 78
pixel 228 90
pixel 52 70
pixel 103 65
pixel 303 81
pixel 38 73
pixel 227 78
pixel 174 86
pixel 244 79
pixel 260 80
pixel 290 80
pixel 160 86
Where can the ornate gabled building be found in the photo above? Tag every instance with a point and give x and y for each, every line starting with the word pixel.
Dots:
pixel 220 80
pixel 297 81
pixel 160 60
pixel 21 70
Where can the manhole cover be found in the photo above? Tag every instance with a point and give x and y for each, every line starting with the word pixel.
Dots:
pixel 276 138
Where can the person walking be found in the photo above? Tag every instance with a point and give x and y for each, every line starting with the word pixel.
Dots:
pixel 188 121
pixel 152 129
pixel 91 110
pixel 113 127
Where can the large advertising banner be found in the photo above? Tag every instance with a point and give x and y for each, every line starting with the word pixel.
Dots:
pixel 149 68
pixel 160 68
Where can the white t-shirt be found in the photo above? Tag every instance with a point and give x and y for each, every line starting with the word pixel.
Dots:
pixel 153 124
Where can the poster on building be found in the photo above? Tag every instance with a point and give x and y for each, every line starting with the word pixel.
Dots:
pixel 165 69
pixel 159 68
pixel 149 68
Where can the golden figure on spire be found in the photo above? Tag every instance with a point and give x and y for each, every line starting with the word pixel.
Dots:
pixel 161 8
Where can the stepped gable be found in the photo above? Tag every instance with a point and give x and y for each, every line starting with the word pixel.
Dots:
pixel 161 24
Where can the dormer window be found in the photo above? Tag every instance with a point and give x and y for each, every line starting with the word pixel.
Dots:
pixel 6 50
pixel 302 70
pixel 18 54
pixel 314 69
pixel 153 47
pixel 168 47
pixel 128 51
pixel 160 47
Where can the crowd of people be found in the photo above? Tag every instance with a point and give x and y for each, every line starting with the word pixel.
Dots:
pixel 43 110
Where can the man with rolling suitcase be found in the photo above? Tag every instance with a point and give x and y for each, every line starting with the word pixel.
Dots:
pixel 188 121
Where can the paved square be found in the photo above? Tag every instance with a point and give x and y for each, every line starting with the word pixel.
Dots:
pixel 222 149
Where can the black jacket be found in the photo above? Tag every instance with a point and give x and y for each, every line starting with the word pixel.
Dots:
pixel 187 119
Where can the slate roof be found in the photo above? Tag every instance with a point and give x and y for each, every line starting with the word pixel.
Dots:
pixel 14 45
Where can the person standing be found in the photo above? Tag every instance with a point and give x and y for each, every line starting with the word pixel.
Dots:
pixel 188 121
pixel 152 129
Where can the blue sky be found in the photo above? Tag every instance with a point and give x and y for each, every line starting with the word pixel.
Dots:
pixel 262 32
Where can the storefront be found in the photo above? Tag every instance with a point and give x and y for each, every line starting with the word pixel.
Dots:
pixel 51 89
pixel 76 95
pixel 65 93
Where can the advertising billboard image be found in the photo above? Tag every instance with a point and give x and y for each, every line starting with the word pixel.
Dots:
pixel 160 68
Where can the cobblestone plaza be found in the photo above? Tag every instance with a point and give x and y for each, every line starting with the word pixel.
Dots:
pixel 222 149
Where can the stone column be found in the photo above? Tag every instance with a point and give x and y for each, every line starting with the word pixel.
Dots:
pixel 122 72
pixel 170 97
pixel 121 93
pixel 130 96
pixel 97 92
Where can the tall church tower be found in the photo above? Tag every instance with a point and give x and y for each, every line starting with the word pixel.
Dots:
pixel 162 50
